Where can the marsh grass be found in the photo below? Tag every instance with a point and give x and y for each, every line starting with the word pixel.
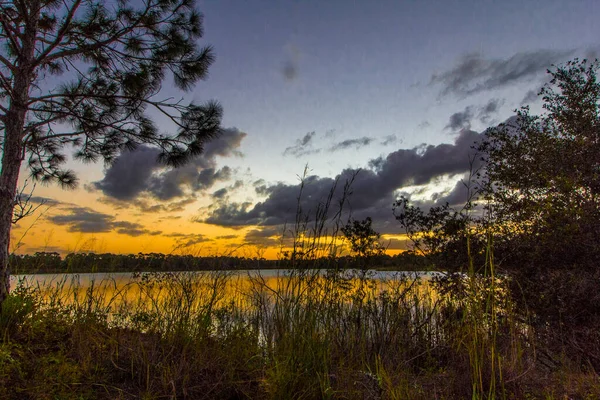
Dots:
pixel 306 334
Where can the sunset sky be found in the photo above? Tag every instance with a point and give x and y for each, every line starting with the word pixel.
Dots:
pixel 397 89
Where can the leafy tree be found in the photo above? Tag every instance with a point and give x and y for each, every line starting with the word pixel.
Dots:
pixel 540 184
pixel 442 235
pixel 363 239
pixel 543 183
pixel 543 172
pixel 87 74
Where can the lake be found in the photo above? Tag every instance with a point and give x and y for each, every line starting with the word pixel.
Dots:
pixel 244 287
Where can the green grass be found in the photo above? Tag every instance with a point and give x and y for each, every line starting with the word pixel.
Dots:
pixel 307 336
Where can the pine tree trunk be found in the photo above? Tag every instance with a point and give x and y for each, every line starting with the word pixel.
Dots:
pixel 12 149
pixel 11 162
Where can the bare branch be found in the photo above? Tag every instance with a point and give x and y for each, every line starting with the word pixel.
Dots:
pixel 24 207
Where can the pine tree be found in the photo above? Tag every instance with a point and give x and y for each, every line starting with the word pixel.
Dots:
pixel 107 62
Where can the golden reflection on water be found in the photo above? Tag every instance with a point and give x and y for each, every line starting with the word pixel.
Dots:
pixel 241 290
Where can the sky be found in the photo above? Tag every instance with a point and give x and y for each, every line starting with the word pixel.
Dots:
pixel 390 93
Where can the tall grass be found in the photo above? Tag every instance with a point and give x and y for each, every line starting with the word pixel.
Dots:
pixel 306 334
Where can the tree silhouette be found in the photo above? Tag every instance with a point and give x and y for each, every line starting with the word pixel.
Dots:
pixel 363 239
pixel 540 187
pixel 87 74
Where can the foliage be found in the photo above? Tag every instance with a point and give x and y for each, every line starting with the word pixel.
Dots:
pixel 442 235
pixel 540 217
pixel 52 263
pixel 87 75
pixel 307 335
pixel 109 63
pixel 304 335
pixel 364 240
pixel 543 173
pixel 543 183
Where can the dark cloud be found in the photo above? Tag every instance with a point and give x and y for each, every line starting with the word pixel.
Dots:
pixel 302 147
pixel 237 184
pixel 86 220
pixel 376 163
pixel 220 194
pixel 148 205
pixel 175 234
pixel 264 236
pixel 169 218
pixel 474 74
pixel 138 172
pixel 188 240
pixel 227 237
pixel 463 119
pixel 129 174
pixel 260 187
pixel 179 205
pixel 133 229
pixel 460 120
pixel 492 107
pixel 373 190
pixel 209 176
pixel 349 143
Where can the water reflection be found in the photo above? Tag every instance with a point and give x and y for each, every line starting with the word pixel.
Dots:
pixel 233 286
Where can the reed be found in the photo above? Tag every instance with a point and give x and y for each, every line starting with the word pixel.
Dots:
pixel 307 334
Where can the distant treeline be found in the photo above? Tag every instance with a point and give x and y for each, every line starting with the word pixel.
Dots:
pixel 52 262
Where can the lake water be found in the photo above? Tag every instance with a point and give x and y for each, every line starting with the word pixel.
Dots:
pixel 243 290
pixel 123 278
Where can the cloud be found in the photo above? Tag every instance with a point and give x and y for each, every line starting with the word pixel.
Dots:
pixel 302 147
pixel 138 172
pixel 227 237
pixel 473 73
pixel 260 187
pixel 220 194
pixel 86 220
pixel 264 236
pixel 355 143
pixel 460 120
pixel 129 174
pixel 188 240
pixel 530 97
pixel 373 190
pixel 147 205
pixel 363 142
pixel 457 196
pixel 389 139
pixel 490 108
